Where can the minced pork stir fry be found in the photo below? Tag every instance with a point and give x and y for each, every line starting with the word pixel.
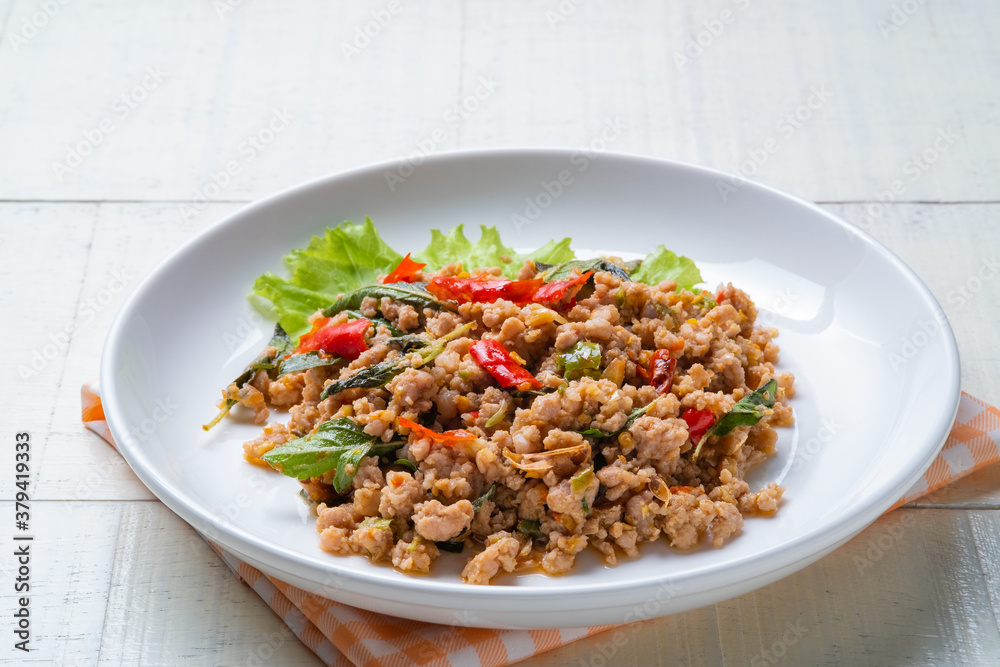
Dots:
pixel 516 413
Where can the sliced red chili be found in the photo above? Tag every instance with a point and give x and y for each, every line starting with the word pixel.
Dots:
pixel 346 339
pixel 557 290
pixel 447 438
pixel 478 290
pixel 661 371
pixel 698 422
pixel 405 272
pixel 493 356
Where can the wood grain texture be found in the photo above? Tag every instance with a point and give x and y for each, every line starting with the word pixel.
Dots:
pixel 907 115
pixel 858 605
pixel 172 601
pixel 129 240
pixel 561 75
pixel 43 251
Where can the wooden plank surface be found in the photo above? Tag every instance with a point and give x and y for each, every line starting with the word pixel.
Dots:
pixel 162 96
pixel 182 88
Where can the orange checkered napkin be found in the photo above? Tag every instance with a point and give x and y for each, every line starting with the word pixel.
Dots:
pixel 345 636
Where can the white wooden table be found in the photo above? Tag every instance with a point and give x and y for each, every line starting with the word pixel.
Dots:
pixel 116 118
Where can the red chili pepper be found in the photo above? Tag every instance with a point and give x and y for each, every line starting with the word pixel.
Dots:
pixel 478 290
pixel 405 272
pixel 448 437
pixel 661 371
pixel 346 340
pixel 698 422
pixel 493 356
pixel 557 290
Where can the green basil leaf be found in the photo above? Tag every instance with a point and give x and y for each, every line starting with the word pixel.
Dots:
pixel 632 416
pixel 409 342
pixel 338 443
pixel 583 359
pixel 478 502
pixel 451 547
pixel 380 374
pixel 301 362
pixel 748 411
pixel 377 375
pixel 265 362
pixel 414 294
pixel 406 463
pixel 390 327
pixel 567 270
pixel 530 527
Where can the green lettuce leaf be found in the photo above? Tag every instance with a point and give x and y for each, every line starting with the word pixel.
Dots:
pixel 351 256
pixel 343 258
pixel 292 303
pixel 553 252
pixel 662 264
pixel 488 251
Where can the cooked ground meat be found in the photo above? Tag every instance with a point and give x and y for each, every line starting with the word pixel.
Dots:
pixel 541 475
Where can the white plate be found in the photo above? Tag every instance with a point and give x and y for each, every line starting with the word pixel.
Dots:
pixel 876 365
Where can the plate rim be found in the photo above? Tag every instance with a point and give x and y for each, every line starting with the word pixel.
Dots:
pixel 757 564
